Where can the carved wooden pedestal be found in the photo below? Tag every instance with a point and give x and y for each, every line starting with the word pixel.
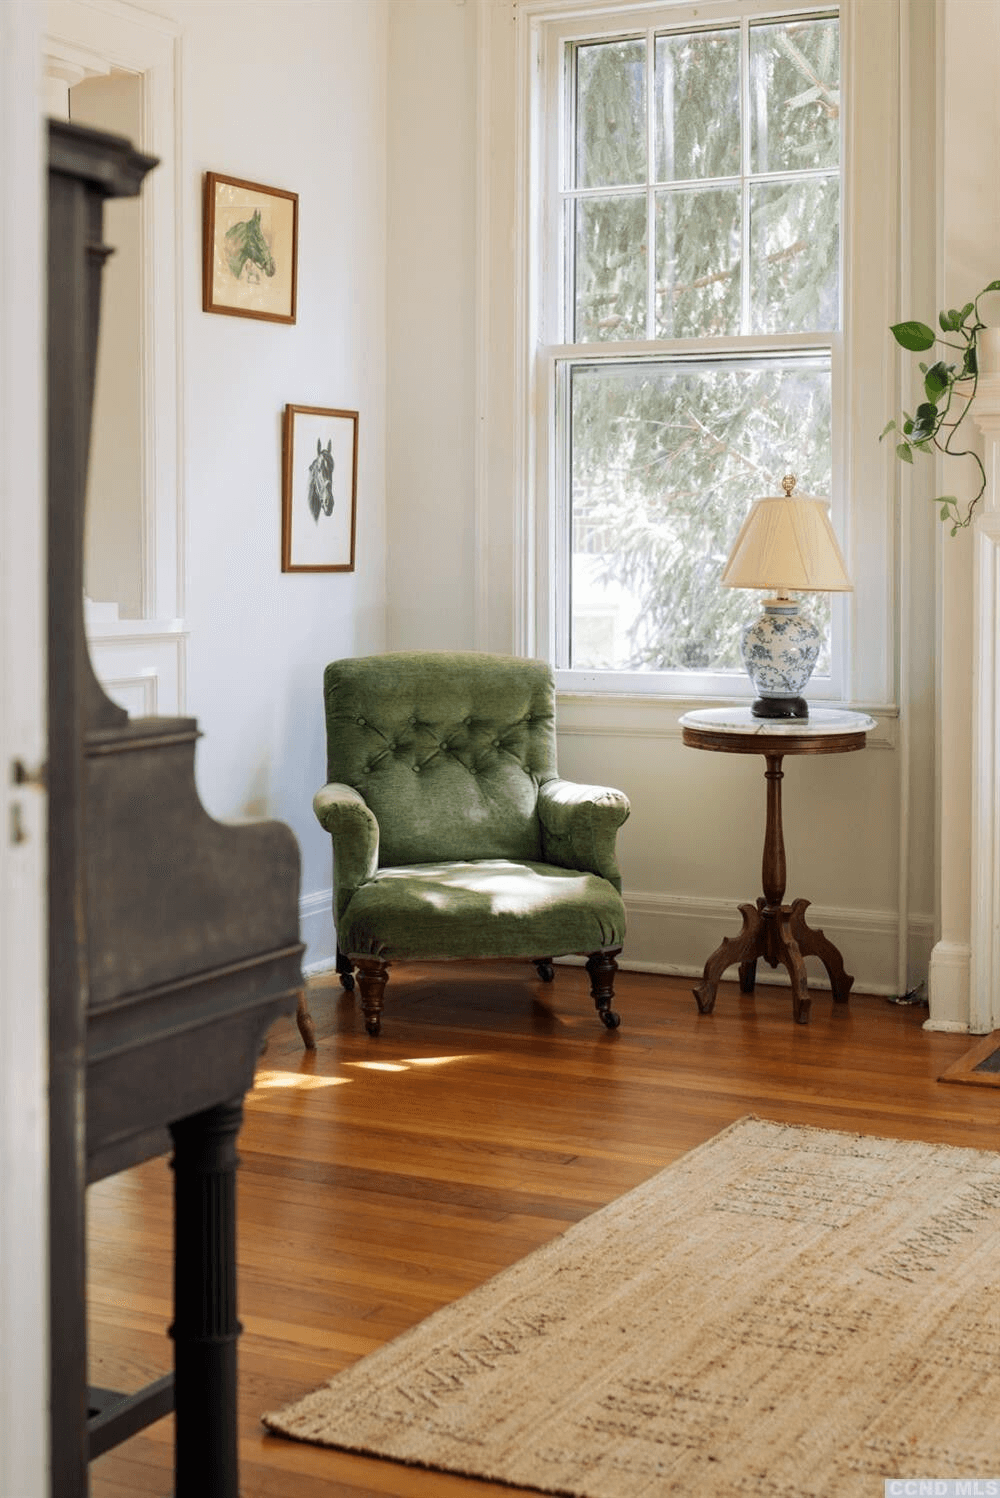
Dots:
pixel 771 929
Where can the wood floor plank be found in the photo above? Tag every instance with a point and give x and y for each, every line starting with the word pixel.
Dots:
pixel 381 1179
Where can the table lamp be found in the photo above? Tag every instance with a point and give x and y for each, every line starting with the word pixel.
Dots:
pixel 786 544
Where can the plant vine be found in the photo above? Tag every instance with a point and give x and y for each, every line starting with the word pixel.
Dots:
pixel 933 426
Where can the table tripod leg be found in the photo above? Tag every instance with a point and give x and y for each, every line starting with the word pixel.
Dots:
pixel 814 944
pixel 790 956
pixel 743 949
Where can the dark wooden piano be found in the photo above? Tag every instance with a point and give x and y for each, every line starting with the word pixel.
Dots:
pixel 173 938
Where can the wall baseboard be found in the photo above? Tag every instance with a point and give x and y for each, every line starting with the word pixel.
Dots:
pixel 674 934
pixel 316 926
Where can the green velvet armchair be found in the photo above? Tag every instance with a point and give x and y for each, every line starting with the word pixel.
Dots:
pixel 453 836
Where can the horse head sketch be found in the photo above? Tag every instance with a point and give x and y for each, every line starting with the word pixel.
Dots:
pixel 245 242
pixel 321 481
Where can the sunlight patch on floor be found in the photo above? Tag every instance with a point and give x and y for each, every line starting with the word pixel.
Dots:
pixel 407 1063
pixel 270 1079
pixel 377 1065
pixel 435 1060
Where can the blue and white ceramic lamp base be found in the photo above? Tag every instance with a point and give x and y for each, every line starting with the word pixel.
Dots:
pixel 779 652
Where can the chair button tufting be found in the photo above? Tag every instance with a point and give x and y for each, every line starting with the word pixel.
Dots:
pixel 360 722
pixel 412 722
pixel 416 769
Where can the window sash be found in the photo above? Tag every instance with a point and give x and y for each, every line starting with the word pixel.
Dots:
pixel 864 498
pixel 561 358
pixel 554 421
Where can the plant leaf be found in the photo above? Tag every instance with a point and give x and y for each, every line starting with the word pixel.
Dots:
pixel 890 426
pixel 936 380
pixel 915 336
pixel 903 452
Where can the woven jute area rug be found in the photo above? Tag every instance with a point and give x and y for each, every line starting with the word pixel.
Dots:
pixel 783 1313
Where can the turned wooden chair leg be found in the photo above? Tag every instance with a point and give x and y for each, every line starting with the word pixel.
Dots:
pixel 373 975
pixel 304 1020
pixel 602 968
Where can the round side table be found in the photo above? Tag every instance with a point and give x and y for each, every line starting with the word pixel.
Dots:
pixel 771 929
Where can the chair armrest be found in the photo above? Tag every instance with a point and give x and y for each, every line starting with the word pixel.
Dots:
pixel 579 826
pixel 354 830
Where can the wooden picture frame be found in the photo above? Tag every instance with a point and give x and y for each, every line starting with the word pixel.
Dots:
pixel 319 470
pixel 249 249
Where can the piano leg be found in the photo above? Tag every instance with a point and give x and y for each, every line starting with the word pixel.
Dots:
pixel 205 1327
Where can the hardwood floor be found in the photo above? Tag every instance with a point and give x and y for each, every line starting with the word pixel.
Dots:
pixel 384 1178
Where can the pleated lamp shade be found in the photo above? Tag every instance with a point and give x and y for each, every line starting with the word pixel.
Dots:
pixel 787 543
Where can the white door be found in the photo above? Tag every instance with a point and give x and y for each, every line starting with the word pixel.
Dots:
pixel 23 1037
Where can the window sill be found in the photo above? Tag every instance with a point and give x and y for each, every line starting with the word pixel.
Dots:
pixel 628 715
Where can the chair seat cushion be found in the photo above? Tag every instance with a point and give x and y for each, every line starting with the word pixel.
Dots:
pixel 484 908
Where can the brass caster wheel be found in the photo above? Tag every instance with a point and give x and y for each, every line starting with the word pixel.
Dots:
pixel 610 1019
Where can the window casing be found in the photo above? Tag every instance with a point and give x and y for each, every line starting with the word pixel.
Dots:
pixel 568 351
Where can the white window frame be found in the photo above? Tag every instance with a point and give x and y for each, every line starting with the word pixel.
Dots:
pixel 862 501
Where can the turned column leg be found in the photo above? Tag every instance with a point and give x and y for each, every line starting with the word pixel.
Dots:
pixel 772 869
pixel 205 1327
pixel 373 975
pixel 602 968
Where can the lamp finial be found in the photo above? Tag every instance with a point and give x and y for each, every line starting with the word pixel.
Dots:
pixel 788 484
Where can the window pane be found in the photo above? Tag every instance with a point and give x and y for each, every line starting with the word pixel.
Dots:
pixel 794 256
pixel 611 114
pixel 610 244
pixel 666 460
pixel 795 96
pixel 697 105
pixel 698 263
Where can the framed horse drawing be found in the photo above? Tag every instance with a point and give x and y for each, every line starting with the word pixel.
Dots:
pixel 250 249
pixel 319 489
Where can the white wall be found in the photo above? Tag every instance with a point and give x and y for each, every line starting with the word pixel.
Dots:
pixel 431 318
pixel 290 95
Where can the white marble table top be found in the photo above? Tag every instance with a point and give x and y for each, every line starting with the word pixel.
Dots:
pixel 821 720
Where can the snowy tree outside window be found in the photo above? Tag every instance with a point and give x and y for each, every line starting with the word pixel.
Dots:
pixel 698 219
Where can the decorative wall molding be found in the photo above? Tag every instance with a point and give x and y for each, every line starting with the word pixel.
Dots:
pixel 144 672
pixel 106 34
pixel 689 927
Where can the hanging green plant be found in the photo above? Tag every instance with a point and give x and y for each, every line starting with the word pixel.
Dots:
pixel 949 388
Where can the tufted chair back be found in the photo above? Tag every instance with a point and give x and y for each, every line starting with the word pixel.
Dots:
pixel 448 750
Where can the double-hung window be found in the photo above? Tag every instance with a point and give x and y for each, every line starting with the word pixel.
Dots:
pixel 689 252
